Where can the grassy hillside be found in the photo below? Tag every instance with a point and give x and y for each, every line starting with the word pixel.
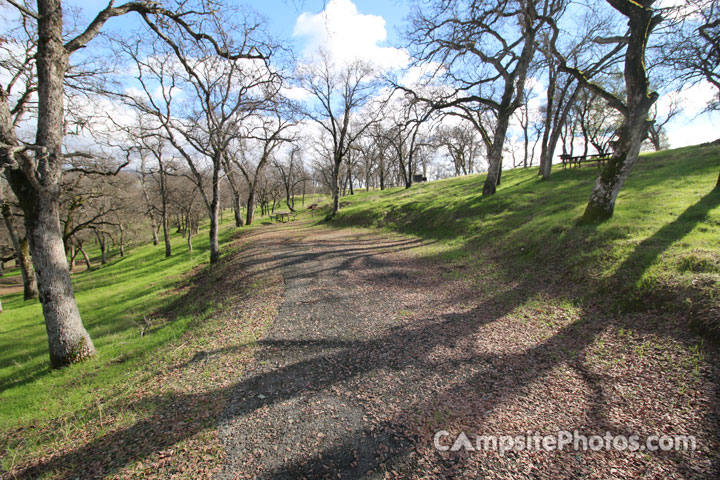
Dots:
pixel 662 247
pixel 146 314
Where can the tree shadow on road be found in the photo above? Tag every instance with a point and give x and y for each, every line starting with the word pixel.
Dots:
pixel 495 378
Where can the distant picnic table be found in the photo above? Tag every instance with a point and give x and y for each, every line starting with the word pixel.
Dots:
pixel 283 216
pixel 570 161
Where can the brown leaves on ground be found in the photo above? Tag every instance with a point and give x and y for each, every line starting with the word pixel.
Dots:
pixel 375 347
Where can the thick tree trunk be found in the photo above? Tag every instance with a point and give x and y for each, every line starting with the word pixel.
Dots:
pixel 495 156
pixel 68 340
pixel 635 124
pixel 607 186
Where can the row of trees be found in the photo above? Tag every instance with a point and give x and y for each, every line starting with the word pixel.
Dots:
pixel 206 120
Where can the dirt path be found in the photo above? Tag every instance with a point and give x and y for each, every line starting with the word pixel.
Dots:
pixel 374 349
pixel 309 397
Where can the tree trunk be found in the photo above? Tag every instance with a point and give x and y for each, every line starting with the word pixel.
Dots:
pixel 86 257
pixel 22 254
pixel 153 225
pixel 189 239
pixel 237 210
pixel 495 156
pixel 335 189
pixel 635 123
pixel 546 152
pixel 164 218
pixel 607 186
pixel 103 244
pixel 71 249
pixel 250 204
pixel 214 215
pixel 122 241
pixel 68 340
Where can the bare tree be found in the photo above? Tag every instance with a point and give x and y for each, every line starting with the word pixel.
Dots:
pixel 292 173
pixel 486 48
pixel 34 169
pixel 462 144
pixel 405 134
pixel 633 104
pixel 266 135
pixel 201 126
pixel 338 93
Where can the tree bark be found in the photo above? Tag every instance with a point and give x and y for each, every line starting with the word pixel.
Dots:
pixel 250 205
pixel 68 340
pixel 335 188
pixel 635 122
pixel 85 256
pixel 122 240
pixel 495 156
pixel 153 225
pixel 103 246
pixel 164 213
pixel 508 104
pixel 189 239
pixel 214 215
pixel 237 210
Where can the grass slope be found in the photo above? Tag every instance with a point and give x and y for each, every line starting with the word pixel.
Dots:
pixel 146 314
pixel 661 246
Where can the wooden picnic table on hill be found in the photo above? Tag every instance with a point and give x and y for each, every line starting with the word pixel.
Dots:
pixel 576 160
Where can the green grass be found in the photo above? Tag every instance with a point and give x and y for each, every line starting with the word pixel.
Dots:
pixel 115 300
pixel 663 240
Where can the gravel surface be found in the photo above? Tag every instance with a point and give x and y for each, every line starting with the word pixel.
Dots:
pixel 375 348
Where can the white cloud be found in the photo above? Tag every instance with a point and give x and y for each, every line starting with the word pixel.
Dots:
pixel 691 126
pixel 347 35
pixel 295 93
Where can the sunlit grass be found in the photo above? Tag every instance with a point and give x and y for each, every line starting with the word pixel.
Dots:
pixel 666 227
pixel 117 301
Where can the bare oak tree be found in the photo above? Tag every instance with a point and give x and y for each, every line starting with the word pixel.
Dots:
pixel 338 92
pixel 633 104
pixel 34 170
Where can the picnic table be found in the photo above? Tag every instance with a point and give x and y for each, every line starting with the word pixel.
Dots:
pixel 283 216
pixel 576 160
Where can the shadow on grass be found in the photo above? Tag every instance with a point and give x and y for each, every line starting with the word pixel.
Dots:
pixel 403 349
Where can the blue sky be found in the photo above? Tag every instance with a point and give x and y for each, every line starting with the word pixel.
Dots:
pixel 281 14
pixel 368 28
